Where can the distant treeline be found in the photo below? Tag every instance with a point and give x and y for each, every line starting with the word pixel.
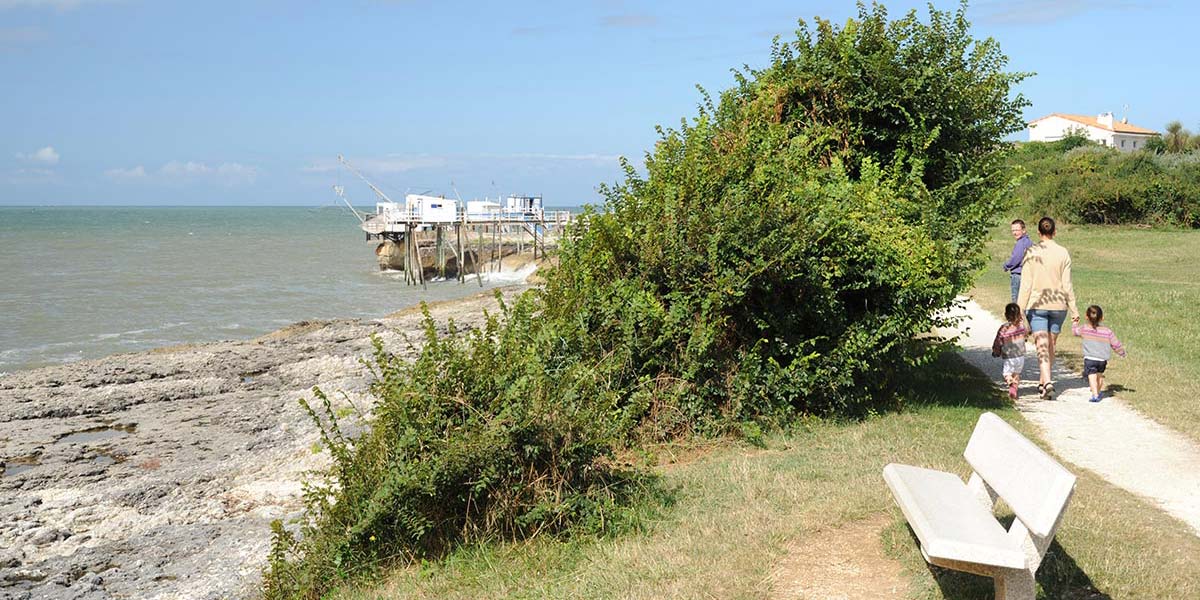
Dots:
pixel 1083 182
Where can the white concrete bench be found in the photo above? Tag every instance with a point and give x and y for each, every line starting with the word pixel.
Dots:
pixel 955 522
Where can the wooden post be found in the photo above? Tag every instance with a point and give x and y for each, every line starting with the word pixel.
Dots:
pixel 410 249
pixel 420 267
pixel 407 253
pixel 478 255
pixel 462 258
pixel 441 251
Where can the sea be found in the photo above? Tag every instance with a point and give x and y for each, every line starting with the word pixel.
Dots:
pixel 85 282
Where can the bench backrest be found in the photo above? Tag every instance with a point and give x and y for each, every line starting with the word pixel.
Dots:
pixel 1033 484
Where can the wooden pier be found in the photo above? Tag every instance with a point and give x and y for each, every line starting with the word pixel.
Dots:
pixel 422 225
pixel 462 245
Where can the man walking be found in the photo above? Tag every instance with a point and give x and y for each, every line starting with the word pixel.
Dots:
pixel 1013 266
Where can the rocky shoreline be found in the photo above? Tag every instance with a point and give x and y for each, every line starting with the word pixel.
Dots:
pixel 156 474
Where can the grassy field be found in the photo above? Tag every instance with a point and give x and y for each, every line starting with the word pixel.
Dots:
pixel 736 512
pixel 1148 283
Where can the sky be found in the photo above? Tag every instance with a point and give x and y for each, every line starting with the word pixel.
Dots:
pixel 169 102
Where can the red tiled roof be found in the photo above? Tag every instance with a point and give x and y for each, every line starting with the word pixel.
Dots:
pixel 1117 126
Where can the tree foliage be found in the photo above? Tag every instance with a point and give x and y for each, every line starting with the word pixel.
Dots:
pixel 779 255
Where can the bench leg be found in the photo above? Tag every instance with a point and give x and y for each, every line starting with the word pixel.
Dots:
pixel 1015 585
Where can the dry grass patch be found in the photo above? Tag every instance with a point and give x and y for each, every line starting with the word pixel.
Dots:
pixel 845 563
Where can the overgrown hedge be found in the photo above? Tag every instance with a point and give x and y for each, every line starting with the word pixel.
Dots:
pixel 1083 182
pixel 778 256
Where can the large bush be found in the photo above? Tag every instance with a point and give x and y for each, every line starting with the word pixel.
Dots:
pixel 783 249
pixel 780 254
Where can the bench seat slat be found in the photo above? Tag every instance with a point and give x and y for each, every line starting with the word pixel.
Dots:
pixel 949 521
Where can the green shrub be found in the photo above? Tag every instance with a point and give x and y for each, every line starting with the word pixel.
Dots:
pixel 478 437
pixel 784 248
pixel 1095 184
pixel 779 256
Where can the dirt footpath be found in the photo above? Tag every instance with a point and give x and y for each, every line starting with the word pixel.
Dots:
pixel 1109 438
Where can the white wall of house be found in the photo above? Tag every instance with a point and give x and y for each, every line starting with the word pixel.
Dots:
pixel 1055 128
pixel 1125 141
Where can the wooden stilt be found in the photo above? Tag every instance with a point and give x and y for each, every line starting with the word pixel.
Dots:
pixel 408 254
pixel 462 258
pixel 478 256
pixel 441 251
pixel 420 265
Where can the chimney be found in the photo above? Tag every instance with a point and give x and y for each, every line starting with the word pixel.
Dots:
pixel 1105 119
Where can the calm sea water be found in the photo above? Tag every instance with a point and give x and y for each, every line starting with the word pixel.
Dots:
pixel 85 282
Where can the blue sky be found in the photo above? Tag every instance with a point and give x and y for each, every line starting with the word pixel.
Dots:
pixel 177 102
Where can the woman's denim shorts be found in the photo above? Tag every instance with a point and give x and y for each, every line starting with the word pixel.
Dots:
pixel 1046 320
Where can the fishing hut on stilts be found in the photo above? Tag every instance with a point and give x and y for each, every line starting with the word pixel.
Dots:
pixel 446 237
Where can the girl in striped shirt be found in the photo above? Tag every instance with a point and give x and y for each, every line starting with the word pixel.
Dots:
pixel 1098 345
pixel 1010 345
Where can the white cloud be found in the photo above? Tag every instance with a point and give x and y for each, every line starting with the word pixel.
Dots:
pixel 599 159
pixel 58 5
pixel 228 173
pixel 31 175
pixel 233 172
pixel 46 156
pixel 138 172
pixel 396 163
pixel 176 168
pixel 392 163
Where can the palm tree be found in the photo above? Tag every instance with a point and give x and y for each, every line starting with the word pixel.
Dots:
pixel 1177 137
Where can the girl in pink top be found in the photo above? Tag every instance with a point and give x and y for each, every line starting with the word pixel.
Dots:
pixel 1010 345
pixel 1099 342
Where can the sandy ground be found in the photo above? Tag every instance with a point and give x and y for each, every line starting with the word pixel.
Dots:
pixel 156 474
pixel 846 563
pixel 1109 438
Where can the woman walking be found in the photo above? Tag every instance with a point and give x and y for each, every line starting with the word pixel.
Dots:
pixel 1047 297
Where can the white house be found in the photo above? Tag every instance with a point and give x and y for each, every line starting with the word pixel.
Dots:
pixel 1101 128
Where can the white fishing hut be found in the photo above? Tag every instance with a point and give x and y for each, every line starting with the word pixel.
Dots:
pixel 482 209
pixel 523 205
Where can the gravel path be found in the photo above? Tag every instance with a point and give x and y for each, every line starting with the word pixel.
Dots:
pixel 1109 438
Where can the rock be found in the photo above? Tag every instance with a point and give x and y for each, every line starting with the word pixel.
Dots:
pixel 45 535
pixel 197 447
